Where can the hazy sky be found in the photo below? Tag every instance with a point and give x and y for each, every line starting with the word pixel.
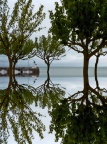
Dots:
pixel 72 58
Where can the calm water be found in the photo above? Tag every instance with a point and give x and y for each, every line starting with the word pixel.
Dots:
pixel 72 71
pixel 68 80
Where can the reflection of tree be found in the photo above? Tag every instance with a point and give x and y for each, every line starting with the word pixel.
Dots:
pixel 81 118
pixel 47 94
pixel 17 115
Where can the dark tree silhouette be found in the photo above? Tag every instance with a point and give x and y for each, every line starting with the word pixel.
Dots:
pixel 81 118
pixel 81 25
pixel 101 52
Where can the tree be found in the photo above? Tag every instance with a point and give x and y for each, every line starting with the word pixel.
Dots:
pixel 16 116
pixel 17 27
pixel 101 52
pixel 22 53
pixel 81 119
pixel 81 25
pixel 48 49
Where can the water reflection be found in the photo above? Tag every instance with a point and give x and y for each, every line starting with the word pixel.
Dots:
pixel 82 117
pixel 79 118
pixel 48 94
pixel 16 115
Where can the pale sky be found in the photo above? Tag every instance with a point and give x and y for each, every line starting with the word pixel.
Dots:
pixel 72 58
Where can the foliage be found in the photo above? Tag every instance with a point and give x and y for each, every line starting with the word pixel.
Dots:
pixel 48 49
pixel 47 94
pixel 17 26
pixel 17 115
pixel 22 53
pixel 81 121
pixel 80 24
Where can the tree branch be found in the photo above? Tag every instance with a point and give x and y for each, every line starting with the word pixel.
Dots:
pixel 102 44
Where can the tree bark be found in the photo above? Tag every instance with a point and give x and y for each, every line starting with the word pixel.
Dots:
pixel 85 74
pixel 10 70
pixel 14 64
pixel 48 68
pixel 85 69
pixel 95 70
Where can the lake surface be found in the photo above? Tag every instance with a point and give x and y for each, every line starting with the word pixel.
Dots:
pixel 40 96
pixel 72 71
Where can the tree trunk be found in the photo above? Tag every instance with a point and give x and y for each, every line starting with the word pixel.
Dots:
pixel 10 70
pixel 10 83
pixel 10 73
pixel 14 64
pixel 85 75
pixel 95 70
pixel 85 70
pixel 48 68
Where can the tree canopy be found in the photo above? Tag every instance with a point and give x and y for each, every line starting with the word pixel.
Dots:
pixel 17 26
pixel 48 49
pixel 80 24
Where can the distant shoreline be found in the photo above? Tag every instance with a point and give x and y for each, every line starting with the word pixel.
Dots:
pixel 69 67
